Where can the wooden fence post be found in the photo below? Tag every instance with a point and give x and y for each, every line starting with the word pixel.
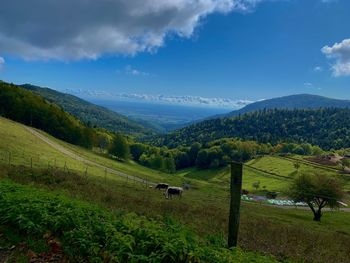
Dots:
pixel 106 176
pixel 235 203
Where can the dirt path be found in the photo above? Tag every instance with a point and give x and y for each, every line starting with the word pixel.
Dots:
pixel 80 158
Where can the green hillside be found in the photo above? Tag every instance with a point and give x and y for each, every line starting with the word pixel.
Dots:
pixel 298 101
pixel 23 106
pixel 91 113
pixel 328 128
pixel 204 208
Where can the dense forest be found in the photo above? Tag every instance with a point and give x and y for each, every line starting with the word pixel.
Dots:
pixel 90 113
pixel 25 107
pixel 291 102
pixel 328 128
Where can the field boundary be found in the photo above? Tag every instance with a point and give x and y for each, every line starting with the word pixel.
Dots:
pixel 266 172
pixel 320 166
pixel 80 158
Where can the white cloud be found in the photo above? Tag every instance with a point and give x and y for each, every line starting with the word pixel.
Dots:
pixel 318 69
pixel 340 52
pixel 129 70
pixel 68 30
pixel 308 85
pixel 2 62
pixel 179 100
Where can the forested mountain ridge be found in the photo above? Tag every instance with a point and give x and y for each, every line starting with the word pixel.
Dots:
pixel 298 101
pixel 91 113
pixel 24 106
pixel 328 128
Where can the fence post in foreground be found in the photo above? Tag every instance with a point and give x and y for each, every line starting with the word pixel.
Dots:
pixel 235 203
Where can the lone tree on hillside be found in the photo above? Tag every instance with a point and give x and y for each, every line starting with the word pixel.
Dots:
pixel 317 191
pixel 120 148
pixel 256 185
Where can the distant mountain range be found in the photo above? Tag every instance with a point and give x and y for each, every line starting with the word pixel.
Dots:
pixel 90 113
pixel 298 101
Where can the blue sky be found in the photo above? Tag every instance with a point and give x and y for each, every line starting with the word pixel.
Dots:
pixel 261 50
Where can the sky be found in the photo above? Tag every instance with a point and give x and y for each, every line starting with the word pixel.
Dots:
pixel 210 52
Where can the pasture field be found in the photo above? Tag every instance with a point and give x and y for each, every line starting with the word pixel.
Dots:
pixel 273 172
pixel 284 233
pixel 20 147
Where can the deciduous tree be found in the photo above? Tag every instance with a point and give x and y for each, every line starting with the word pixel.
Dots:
pixel 317 191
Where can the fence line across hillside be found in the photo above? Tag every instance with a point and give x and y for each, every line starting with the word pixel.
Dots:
pixel 43 162
pixel 38 161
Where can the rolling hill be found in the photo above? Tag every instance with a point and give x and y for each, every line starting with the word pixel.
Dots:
pixel 203 209
pixel 91 113
pixel 328 128
pixel 31 109
pixel 298 101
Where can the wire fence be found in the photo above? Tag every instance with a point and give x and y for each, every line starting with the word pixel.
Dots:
pixel 40 161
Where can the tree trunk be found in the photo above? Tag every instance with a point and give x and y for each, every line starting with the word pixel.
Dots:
pixel 317 215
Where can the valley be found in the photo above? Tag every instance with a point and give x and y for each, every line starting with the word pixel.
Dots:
pixel 203 208
pixel 177 131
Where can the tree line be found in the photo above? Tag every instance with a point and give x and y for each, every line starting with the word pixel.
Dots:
pixel 218 153
pixel 25 107
pixel 328 128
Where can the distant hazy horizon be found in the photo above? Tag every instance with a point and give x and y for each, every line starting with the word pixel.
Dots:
pixel 162 113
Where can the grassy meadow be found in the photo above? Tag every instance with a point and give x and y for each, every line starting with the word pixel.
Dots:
pixel 284 233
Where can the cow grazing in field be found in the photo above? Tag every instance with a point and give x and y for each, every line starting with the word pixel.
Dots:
pixel 161 186
pixel 244 192
pixel 171 191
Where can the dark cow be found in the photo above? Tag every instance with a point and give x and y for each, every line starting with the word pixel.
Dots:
pixel 171 191
pixel 244 192
pixel 161 186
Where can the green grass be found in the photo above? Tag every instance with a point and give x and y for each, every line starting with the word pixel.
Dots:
pixel 220 177
pixel 19 147
pixel 280 232
pixel 23 148
pixel 90 233
pixel 204 209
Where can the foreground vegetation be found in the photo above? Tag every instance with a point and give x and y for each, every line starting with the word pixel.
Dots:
pixel 89 233
pixel 284 233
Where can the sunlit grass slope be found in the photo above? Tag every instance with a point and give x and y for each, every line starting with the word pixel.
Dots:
pixel 284 233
